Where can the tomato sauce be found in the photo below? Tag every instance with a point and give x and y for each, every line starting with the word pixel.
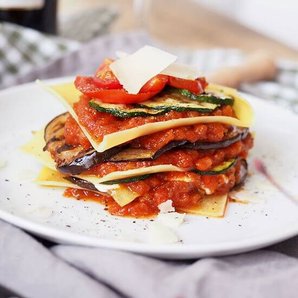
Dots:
pixel 184 189
pixel 100 124
pixel 183 158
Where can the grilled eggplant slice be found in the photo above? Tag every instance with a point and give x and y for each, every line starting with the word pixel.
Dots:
pixel 70 159
pixel 130 154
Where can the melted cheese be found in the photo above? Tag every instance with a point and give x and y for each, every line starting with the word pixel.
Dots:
pixel 211 206
pixel 135 70
pixel 35 147
pixel 121 195
pixel 68 95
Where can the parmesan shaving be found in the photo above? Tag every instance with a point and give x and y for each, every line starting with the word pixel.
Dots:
pixel 177 70
pixel 135 70
pixel 166 207
pixel 161 234
pixel 171 220
pixel 182 71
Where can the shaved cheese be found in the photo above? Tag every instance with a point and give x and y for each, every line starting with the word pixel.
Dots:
pixel 177 70
pixel 212 206
pixel 68 94
pixel 35 147
pixel 135 70
pixel 171 220
pixel 166 207
pixel 161 234
pixel 182 71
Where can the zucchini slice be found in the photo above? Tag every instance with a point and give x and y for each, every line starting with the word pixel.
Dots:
pixel 127 180
pixel 122 110
pixel 180 105
pixel 220 169
pixel 207 97
pixel 156 106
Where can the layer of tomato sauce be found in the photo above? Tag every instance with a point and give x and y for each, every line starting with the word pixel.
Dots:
pixel 99 124
pixel 187 159
pixel 186 190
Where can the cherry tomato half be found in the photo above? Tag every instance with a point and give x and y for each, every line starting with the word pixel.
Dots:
pixel 196 86
pixel 104 77
pixel 86 86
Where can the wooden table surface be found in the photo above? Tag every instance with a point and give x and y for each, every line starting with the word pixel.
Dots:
pixel 185 23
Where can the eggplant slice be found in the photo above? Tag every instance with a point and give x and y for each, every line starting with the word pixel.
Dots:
pixel 74 160
pixel 130 154
pixel 69 159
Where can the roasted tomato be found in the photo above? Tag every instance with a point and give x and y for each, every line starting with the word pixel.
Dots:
pixel 104 77
pixel 106 87
pixel 196 86
pixel 88 87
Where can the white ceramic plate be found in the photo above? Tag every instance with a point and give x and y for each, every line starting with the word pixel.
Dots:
pixel 268 218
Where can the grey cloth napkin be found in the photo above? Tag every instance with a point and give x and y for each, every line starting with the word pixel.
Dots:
pixel 32 269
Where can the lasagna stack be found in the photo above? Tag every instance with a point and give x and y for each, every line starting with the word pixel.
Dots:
pixel 132 153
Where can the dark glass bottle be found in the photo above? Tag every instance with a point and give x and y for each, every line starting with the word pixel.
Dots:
pixel 42 17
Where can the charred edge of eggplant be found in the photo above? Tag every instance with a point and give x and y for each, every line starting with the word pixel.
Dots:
pixel 81 183
pixel 217 145
pixel 61 125
pixel 88 160
pixel 243 174
pixel 65 147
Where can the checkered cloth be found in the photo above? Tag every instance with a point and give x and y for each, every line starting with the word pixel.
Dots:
pixel 86 25
pixel 23 49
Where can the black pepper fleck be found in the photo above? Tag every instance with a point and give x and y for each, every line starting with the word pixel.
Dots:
pixel 69 226
pixel 8 199
pixel 6 180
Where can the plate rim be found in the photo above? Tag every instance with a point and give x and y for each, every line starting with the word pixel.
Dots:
pixel 170 251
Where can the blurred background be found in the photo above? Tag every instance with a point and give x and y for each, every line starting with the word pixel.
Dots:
pixel 256 37
pixel 203 23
